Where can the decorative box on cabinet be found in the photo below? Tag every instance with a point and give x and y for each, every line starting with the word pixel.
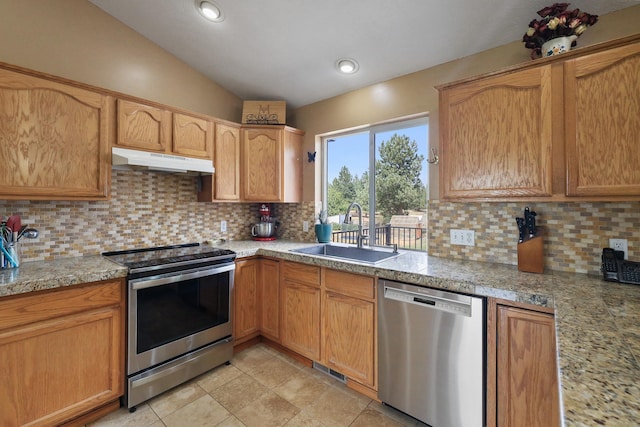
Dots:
pixel 62 354
pixel 48 128
pixel 271 164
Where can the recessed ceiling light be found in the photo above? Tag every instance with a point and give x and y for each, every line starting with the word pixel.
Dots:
pixel 210 11
pixel 347 65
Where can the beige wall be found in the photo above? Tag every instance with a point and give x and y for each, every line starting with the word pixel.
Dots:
pixel 77 40
pixel 415 93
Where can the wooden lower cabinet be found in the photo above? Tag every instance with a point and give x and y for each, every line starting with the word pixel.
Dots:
pixel 349 328
pixel 349 342
pixel 61 354
pixel 527 384
pixel 270 299
pixel 300 309
pixel 245 300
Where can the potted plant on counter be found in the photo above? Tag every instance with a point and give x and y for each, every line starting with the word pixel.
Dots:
pixel 323 228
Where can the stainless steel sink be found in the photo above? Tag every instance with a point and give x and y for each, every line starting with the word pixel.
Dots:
pixel 368 255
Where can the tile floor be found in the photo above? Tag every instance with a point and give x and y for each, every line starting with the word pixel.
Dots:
pixel 262 388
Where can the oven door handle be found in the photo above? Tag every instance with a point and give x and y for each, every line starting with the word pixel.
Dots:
pixel 150 282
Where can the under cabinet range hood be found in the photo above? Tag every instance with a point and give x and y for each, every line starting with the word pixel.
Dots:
pixel 123 158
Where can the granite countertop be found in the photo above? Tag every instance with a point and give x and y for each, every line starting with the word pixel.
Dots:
pixel 42 275
pixel 597 322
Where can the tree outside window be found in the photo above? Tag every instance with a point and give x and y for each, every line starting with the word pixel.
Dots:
pixel 397 194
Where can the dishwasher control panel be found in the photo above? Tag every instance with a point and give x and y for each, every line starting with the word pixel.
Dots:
pixel 430 301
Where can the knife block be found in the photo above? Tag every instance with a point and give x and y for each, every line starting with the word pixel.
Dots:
pixel 531 255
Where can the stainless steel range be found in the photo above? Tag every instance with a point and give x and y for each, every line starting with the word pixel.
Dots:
pixel 179 315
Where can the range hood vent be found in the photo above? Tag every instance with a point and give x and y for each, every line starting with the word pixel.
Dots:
pixel 123 158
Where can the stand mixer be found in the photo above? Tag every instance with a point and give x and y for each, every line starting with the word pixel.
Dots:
pixel 265 230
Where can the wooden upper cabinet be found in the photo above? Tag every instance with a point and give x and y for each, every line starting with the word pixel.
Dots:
pixel 143 127
pixel 226 160
pixel 262 164
pixel 192 136
pixel 564 130
pixel 495 136
pixel 271 164
pixel 47 130
pixel 602 130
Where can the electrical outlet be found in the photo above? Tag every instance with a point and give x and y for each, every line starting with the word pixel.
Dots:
pixel 462 237
pixel 620 245
pixel 223 226
pixel 305 226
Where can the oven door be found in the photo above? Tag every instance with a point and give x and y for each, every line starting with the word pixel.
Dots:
pixel 174 313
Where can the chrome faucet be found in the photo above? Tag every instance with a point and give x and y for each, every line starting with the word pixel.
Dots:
pixel 347 218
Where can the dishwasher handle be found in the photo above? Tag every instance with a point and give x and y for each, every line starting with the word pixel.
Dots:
pixel 424 301
pixel 460 306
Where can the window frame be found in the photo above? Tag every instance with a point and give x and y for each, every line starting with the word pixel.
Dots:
pixel 372 130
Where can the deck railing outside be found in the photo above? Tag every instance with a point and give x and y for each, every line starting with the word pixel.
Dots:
pixel 414 238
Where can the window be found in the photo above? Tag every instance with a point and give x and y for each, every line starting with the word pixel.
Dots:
pixel 384 170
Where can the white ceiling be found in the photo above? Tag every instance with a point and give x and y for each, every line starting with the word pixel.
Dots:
pixel 287 49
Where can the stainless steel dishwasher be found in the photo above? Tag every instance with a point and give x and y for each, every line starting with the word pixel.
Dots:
pixel 431 351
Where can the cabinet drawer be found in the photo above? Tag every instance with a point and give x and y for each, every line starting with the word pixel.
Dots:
pixel 350 284
pixel 27 309
pixel 301 273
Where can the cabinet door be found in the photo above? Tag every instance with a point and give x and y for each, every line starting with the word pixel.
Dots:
pixel 245 300
pixel 292 165
pixel 270 299
pixel 61 354
pixel 262 164
pixel 227 163
pixel 192 136
pixel 349 337
pixel 143 127
pixel 495 136
pixel 301 319
pixel 527 382
pixel 48 129
pixel 602 130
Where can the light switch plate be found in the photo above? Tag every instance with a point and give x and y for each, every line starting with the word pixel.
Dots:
pixel 223 226
pixel 305 225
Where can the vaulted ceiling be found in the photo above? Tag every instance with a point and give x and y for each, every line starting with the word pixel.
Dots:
pixel 287 49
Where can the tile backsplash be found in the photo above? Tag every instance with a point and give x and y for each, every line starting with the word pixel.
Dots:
pixel 150 209
pixel 146 209
pixel 574 233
